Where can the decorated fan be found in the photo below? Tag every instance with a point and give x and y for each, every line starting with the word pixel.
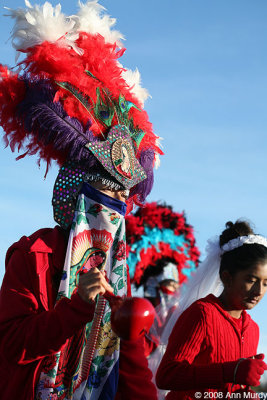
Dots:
pixel 72 101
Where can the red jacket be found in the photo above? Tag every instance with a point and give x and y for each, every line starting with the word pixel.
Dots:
pixel 27 314
pixel 204 337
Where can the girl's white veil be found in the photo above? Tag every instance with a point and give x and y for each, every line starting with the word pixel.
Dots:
pixel 205 280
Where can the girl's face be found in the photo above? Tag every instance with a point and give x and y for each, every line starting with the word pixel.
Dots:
pixel 246 288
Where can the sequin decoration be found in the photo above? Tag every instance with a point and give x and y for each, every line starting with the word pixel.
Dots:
pixel 66 189
pixel 117 156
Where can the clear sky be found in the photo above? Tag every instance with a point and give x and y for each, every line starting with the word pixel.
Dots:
pixel 205 66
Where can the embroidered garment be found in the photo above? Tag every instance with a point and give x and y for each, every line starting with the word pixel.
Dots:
pixel 87 366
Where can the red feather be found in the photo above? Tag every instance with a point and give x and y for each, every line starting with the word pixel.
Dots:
pixel 12 91
pixel 100 58
pixel 154 215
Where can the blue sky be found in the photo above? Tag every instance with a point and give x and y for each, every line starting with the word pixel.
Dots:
pixel 205 66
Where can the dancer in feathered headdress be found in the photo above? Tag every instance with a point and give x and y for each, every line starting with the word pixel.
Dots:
pixel 73 102
pixel 161 254
pixel 160 248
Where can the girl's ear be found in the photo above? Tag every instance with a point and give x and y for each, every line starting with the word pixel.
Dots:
pixel 226 278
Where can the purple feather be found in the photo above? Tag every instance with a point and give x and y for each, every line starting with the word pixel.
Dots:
pixel 143 188
pixel 50 123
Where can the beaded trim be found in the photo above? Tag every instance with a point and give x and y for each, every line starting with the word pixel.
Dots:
pixel 238 242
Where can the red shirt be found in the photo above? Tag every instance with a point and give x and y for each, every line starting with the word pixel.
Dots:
pixel 31 328
pixel 203 338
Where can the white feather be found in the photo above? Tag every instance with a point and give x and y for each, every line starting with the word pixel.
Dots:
pixel 91 19
pixel 157 159
pixel 28 4
pixel 37 24
pixel 133 79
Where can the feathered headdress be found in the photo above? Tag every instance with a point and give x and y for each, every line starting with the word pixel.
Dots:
pixel 73 102
pixel 157 236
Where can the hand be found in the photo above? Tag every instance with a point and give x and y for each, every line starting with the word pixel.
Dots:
pixel 91 284
pixel 248 371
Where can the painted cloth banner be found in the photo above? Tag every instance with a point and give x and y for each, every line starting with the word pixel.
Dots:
pixel 86 368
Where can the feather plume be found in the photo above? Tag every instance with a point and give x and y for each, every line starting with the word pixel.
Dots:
pixel 90 19
pixel 133 79
pixel 12 92
pixel 80 53
pixel 157 159
pixel 142 189
pixel 37 24
pixel 156 235
pixel 79 96
pixel 47 123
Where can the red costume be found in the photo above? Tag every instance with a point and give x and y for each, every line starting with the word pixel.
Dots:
pixel 27 313
pixel 204 337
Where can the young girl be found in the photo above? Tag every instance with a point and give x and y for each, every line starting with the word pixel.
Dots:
pixel 212 349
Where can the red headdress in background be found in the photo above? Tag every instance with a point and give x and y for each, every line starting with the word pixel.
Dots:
pixel 157 236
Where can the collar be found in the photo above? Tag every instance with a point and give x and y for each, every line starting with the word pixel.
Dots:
pixel 52 241
pixel 39 246
pixel 216 302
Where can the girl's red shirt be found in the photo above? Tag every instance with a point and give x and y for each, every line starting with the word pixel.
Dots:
pixel 204 337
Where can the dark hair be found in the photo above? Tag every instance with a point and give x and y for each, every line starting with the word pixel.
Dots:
pixel 155 270
pixel 242 257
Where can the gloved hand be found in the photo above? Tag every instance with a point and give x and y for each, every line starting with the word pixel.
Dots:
pixel 248 371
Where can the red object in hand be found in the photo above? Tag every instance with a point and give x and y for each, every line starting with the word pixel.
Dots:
pixel 131 317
